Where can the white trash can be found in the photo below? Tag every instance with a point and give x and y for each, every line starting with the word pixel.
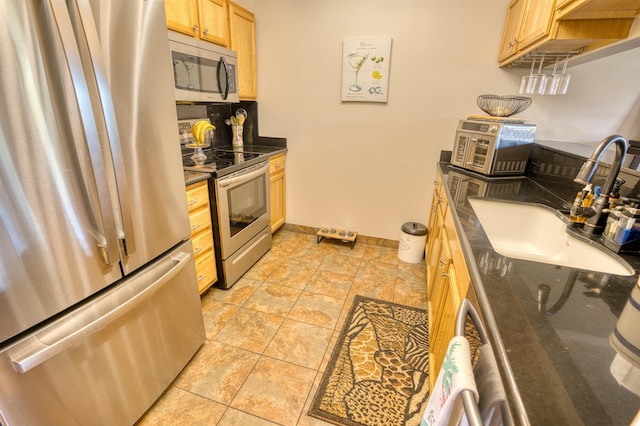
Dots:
pixel 412 242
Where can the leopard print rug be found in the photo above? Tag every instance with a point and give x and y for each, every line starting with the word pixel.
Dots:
pixel 379 370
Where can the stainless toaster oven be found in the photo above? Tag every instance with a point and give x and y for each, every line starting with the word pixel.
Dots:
pixel 493 146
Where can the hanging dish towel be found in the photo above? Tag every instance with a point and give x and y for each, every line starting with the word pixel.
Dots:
pixel 456 375
pixel 490 389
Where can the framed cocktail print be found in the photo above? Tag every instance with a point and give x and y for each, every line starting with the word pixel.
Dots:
pixel 365 69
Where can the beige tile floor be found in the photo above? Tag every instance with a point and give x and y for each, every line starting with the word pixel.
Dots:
pixel 269 337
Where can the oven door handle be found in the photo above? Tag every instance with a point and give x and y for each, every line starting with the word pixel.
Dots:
pixel 243 176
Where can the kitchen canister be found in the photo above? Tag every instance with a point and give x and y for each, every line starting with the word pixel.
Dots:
pixel 236 132
pixel 412 241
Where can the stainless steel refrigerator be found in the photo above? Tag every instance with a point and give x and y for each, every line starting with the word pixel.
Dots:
pixel 99 306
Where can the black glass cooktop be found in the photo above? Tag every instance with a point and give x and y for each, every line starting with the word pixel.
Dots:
pixel 221 162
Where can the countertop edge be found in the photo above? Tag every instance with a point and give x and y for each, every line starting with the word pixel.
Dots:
pixel 490 323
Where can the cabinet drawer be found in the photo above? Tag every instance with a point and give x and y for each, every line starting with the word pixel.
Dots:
pixel 197 196
pixel 277 163
pixel 202 243
pixel 200 221
pixel 206 271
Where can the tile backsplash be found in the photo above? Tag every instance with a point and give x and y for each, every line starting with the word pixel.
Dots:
pixel 555 165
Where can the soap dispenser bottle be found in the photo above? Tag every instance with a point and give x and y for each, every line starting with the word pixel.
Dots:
pixel 614 196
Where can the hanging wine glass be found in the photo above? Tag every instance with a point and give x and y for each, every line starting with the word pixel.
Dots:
pixel 524 84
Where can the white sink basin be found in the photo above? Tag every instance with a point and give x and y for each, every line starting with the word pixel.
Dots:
pixel 539 233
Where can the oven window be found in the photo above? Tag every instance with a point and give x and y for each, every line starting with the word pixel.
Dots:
pixel 247 202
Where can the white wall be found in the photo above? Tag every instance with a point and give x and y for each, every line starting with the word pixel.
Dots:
pixel 369 167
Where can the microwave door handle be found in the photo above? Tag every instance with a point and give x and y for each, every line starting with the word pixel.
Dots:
pixel 109 114
pixel 106 235
pixel 222 65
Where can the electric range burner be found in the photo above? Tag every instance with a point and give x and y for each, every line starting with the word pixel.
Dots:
pixel 222 162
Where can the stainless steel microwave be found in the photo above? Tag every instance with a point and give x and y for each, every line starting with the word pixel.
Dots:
pixel 203 71
pixel 493 147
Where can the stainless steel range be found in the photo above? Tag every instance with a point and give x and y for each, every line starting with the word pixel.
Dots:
pixel 239 190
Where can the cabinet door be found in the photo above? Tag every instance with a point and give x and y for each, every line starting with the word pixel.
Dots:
pixel 182 16
pixel 433 243
pixel 515 16
pixel 439 282
pixel 242 39
pixel 537 22
pixel 445 330
pixel 214 21
pixel 277 192
pixel 202 234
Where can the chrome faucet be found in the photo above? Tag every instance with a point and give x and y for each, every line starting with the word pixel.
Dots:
pixel 596 217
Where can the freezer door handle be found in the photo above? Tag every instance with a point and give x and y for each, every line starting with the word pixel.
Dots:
pixel 106 235
pixel 45 344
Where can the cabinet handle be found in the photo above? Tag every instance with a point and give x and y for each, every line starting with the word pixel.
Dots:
pixel 196 28
pixel 443 274
pixel 192 202
pixel 197 250
pixel 194 227
pixel 440 199
pixel 441 262
pixel 201 277
pixel 205 32
pixel 513 43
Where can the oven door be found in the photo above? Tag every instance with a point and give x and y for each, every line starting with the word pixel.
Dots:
pixel 242 200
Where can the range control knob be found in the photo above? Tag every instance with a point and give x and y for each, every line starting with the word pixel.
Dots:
pixel 493 128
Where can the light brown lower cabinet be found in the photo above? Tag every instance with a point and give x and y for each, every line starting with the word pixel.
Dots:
pixel 448 278
pixel 202 234
pixel 277 191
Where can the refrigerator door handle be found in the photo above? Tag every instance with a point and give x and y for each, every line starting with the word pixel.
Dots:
pixel 41 346
pixel 90 32
pixel 107 234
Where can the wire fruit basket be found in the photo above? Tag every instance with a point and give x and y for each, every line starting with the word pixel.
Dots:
pixel 503 106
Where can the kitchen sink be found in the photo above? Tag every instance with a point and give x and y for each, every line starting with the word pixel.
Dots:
pixel 539 233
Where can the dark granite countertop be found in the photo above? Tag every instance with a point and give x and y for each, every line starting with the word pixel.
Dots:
pixel 262 145
pixel 191 177
pixel 558 356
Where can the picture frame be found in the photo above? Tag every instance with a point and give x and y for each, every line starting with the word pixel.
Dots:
pixel 365 69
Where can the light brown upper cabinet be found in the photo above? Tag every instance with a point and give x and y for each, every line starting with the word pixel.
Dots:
pixel 563 27
pixel 203 19
pixel 242 31
pixel 527 22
